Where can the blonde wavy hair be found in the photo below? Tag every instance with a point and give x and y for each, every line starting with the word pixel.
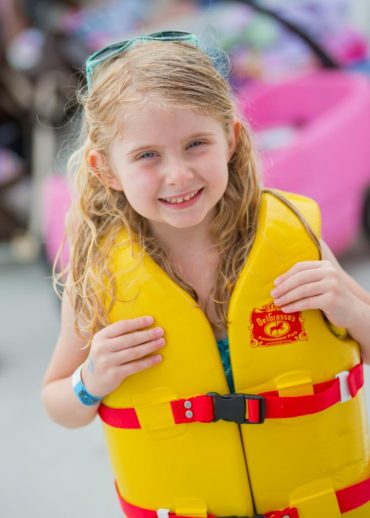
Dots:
pixel 176 74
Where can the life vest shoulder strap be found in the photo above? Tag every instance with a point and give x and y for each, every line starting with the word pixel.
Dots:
pixel 305 209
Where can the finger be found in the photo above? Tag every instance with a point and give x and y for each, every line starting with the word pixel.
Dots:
pixel 135 338
pixel 133 367
pixel 126 326
pixel 304 304
pixel 301 292
pixel 298 267
pixel 138 352
pixel 298 279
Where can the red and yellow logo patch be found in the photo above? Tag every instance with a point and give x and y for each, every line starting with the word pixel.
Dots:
pixel 270 326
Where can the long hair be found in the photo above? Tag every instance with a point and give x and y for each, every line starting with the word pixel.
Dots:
pixel 176 74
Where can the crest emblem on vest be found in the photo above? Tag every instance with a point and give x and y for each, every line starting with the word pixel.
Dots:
pixel 270 326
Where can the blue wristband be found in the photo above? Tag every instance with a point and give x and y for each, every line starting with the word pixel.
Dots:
pixel 80 390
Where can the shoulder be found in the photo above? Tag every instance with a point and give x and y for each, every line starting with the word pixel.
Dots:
pixel 327 254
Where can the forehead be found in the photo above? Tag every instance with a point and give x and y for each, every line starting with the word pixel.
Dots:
pixel 157 119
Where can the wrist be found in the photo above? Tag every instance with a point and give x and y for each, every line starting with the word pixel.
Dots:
pixel 358 313
pixel 83 394
pixel 359 328
pixel 88 378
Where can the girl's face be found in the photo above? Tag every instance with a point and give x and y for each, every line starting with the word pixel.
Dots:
pixel 171 163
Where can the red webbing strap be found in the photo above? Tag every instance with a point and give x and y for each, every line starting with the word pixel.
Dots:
pixel 289 512
pixel 349 498
pixel 119 417
pixel 200 409
pixel 354 496
pixel 132 511
pixel 325 395
pixel 356 379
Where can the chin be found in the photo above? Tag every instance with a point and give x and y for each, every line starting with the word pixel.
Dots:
pixel 187 224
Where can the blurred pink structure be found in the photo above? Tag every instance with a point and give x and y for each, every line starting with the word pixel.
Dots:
pixel 314 134
pixel 56 200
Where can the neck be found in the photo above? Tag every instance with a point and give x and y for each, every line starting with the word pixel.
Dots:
pixel 195 258
pixel 183 242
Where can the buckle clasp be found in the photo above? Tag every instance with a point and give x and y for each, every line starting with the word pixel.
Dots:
pixel 232 407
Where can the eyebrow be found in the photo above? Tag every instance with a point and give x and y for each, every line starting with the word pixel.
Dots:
pixel 153 146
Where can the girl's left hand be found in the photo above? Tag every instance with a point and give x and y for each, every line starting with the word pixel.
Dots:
pixel 315 285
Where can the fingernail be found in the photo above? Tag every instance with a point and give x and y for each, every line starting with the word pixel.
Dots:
pixel 273 292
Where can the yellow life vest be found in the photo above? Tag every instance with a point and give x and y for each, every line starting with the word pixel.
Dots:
pixel 224 468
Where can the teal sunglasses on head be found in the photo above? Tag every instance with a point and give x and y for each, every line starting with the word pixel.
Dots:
pixel 117 48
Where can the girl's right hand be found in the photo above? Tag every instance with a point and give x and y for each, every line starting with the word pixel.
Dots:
pixel 119 350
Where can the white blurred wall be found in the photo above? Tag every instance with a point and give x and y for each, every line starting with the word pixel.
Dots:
pixel 360 14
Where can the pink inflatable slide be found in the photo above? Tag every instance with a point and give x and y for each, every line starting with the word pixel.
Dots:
pixel 314 135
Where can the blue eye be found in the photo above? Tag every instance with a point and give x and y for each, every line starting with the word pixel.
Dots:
pixel 147 154
pixel 196 143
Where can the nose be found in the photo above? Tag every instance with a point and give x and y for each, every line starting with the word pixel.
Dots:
pixel 177 172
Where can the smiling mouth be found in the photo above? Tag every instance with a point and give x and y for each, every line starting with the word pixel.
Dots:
pixel 176 200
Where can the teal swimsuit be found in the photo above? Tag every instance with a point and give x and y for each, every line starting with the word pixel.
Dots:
pixel 223 347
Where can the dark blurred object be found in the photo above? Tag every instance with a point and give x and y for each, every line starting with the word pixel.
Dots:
pixel 366 215
pixel 324 58
pixel 15 136
pixel 15 146
pixel 37 76
pixel 12 21
pixel 48 57
pixel 11 171
pixel 44 14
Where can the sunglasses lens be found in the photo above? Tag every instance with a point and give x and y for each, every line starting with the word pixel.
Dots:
pixel 171 35
pixel 107 52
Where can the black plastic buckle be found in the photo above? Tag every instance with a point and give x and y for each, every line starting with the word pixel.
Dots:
pixel 231 407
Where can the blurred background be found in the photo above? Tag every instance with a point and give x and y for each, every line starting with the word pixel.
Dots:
pixel 300 70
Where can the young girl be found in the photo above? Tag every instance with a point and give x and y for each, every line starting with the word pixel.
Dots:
pixel 202 318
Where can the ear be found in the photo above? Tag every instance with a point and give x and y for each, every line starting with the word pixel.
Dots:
pixel 99 166
pixel 234 133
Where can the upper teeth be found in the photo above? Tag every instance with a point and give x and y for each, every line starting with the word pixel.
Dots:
pixel 181 199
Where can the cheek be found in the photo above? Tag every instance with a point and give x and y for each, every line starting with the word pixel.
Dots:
pixel 219 172
pixel 224 180
pixel 138 187
pixel 221 180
